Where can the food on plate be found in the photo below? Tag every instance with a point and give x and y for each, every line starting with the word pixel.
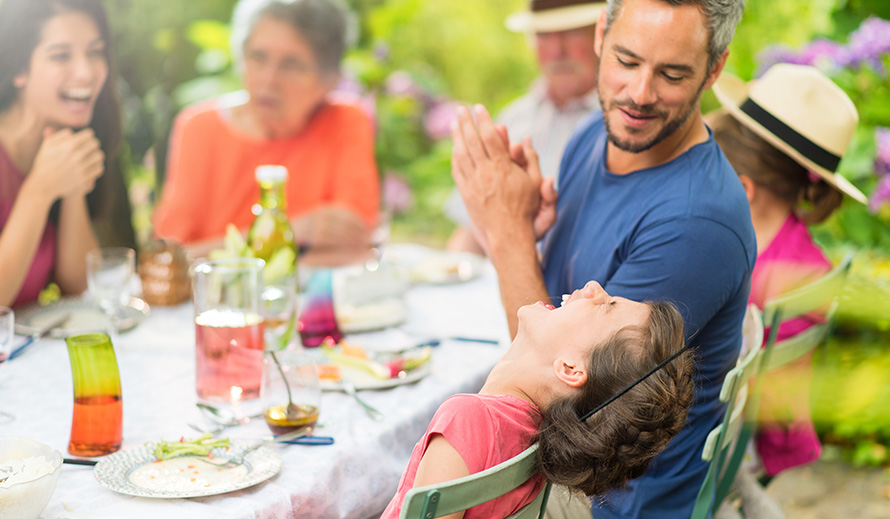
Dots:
pixel 330 372
pixel 200 446
pixel 383 366
pixel 184 474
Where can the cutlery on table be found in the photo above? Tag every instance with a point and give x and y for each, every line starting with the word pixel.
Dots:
pixel 349 388
pixel 76 461
pixel 39 335
pixel 282 438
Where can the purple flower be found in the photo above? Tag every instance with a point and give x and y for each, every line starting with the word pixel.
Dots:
pixel 825 54
pixel 350 85
pixel 774 54
pixel 400 83
pixel 381 51
pixel 351 91
pixel 882 157
pixel 870 42
pixel 437 122
pixel 396 193
pixel 880 197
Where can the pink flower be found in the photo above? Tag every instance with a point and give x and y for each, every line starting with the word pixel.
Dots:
pixel 437 122
pixel 882 157
pixel 400 83
pixel 396 193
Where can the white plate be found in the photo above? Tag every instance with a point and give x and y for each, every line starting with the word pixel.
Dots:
pixel 85 317
pixel 378 315
pixel 443 267
pixel 364 380
pixel 114 471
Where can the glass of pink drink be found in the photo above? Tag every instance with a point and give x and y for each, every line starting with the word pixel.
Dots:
pixel 228 329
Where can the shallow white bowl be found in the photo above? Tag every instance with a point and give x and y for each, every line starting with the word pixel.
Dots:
pixel 27 499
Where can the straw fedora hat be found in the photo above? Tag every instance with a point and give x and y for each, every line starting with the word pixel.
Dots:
pixel 555 15
pixel 801 112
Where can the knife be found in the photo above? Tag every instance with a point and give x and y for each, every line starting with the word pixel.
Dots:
pixel 39 335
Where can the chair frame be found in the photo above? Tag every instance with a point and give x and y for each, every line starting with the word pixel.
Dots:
pixel 735 394
pixel 448 497
pixel 817 295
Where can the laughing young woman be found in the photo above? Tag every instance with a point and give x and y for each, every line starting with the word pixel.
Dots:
pixel 59 127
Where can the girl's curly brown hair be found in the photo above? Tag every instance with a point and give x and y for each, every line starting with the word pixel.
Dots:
pixel 617 443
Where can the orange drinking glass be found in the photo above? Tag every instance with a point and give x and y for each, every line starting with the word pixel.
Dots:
pixel 97 421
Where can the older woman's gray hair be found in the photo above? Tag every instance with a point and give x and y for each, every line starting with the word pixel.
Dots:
pixel 328 26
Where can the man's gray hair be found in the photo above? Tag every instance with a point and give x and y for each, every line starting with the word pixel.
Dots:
pixel 328 26
pixel 722 17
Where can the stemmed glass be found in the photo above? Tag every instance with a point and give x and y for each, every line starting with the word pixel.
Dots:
pixel 109 273
pixel 7 328
pixel 279 309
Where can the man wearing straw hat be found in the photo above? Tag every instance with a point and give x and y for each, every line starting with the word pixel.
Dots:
pixel 563 32
pixel 648 206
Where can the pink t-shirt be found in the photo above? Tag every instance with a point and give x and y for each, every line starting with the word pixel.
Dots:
pixel 790 261
pixel 485 430
pixel 11 180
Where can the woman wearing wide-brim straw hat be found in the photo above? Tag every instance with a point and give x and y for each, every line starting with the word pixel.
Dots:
pixel 785 135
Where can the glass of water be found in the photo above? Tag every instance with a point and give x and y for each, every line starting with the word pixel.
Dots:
pixel 109 275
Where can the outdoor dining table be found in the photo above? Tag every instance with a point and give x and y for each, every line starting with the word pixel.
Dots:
pixel 353 478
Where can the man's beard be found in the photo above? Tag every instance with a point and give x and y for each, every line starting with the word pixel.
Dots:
pixel 670 126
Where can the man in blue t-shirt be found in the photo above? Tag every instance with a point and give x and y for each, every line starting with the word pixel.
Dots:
pixel 648 206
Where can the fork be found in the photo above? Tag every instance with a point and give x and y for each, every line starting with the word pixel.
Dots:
pixel 349 388
pixel 238 460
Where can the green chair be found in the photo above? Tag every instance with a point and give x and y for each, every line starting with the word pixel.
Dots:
pixel 734 393
pixel 819 296
pixel 459 494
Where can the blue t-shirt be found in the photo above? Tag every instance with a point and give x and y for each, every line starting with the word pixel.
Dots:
pixel 679 232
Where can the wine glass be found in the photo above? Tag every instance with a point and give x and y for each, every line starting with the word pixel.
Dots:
pixel 109 274
pixel 279 309
pixel 7 328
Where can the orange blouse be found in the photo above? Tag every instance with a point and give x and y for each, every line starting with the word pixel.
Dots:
pixel 210 174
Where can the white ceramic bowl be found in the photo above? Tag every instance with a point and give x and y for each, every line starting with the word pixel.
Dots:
pixel 27 499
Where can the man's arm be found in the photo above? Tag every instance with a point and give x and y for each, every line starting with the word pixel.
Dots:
pixel 504 200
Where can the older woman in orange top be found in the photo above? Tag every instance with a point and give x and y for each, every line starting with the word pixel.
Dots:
pixel 289 53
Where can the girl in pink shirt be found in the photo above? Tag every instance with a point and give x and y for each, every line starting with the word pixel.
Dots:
pixel 790 183
pixel 563 363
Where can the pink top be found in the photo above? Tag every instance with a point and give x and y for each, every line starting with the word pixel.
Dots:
pixel 790 261
pixel 485 430
pixel 11 180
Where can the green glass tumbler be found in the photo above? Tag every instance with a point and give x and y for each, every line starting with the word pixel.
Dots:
pixel 97 421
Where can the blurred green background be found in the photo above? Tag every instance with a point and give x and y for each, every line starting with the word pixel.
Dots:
pixel 416 58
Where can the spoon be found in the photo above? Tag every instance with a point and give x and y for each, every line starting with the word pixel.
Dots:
pixel 224 416
pixel 292 410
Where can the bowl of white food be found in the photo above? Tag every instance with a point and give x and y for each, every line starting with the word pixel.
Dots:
pixel 28 474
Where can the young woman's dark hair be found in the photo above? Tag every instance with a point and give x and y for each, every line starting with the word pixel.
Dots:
pixel 21 26
pixel 616 444
pixel 772 169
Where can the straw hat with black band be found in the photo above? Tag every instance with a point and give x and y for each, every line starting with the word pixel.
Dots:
pixel 555 15
pixel 812 122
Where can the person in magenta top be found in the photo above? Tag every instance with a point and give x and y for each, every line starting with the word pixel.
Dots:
pixel 563 363
pixel 59 129
pixel 784 135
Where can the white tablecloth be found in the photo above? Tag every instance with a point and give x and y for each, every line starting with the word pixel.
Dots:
pixel 354 478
